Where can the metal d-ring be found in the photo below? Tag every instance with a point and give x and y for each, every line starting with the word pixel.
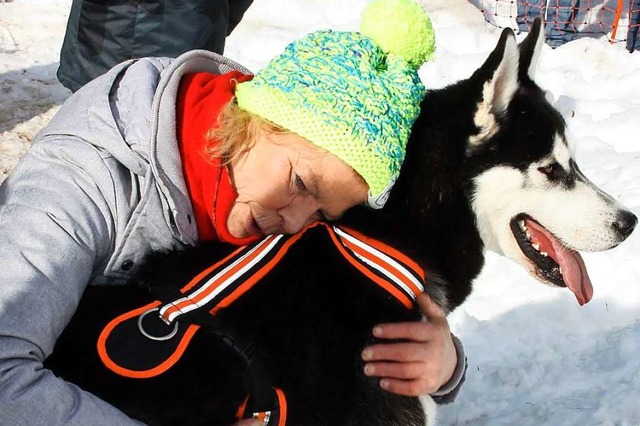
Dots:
pixel 159 338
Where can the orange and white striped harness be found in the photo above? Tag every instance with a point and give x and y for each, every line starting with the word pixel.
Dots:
pixel 165 327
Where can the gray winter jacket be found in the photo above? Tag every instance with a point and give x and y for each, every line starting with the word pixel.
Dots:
pixel 108 170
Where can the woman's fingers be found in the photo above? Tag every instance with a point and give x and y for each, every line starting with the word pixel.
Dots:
pixel 420 355
pixel 416 331
pixel 401 352
pixel 408 387
pixel 402 371
pixel 430 309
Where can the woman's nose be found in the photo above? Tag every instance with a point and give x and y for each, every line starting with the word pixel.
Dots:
pixel 299 213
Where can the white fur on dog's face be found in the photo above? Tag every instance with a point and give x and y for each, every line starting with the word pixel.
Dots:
pixel 580 216
pixel 534 208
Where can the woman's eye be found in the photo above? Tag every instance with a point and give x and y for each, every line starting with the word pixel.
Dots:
pixel 300 183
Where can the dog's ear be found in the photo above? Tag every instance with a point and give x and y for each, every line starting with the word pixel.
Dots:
pixel 530 49
pixel 499 79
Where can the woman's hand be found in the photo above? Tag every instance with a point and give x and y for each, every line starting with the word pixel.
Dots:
pixel 422 363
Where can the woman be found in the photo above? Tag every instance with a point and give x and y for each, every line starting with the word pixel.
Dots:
pixel 160 154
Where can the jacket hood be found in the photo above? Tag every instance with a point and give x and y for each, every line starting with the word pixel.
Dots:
pixel 130 112
pixel 163 149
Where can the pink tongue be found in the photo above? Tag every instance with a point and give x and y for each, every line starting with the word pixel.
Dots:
pixel 574 271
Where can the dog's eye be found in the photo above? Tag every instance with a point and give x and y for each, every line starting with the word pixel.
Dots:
pixel 550 169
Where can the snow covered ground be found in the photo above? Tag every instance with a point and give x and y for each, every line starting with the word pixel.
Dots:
pixel 535 356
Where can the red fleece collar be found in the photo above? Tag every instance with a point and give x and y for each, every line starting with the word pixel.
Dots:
pixel 201 97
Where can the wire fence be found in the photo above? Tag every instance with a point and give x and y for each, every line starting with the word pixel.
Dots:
pixel 565 20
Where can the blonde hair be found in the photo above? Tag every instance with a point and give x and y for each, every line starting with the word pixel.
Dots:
pixel 236 132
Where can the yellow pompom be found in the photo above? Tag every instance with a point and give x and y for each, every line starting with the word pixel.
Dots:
pixel 401 27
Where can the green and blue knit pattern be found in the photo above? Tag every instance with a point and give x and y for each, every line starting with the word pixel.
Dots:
pixel 345 93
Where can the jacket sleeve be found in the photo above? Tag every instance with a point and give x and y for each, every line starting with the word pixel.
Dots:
pixel 55 227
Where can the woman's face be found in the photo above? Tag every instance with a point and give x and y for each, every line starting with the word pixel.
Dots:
pixel 285 182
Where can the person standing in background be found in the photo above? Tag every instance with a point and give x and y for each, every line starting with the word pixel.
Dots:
pixel 103 33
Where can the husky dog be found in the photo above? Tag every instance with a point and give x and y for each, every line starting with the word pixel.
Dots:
pixel 488 166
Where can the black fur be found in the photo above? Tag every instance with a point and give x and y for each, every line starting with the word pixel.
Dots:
pixel 313 314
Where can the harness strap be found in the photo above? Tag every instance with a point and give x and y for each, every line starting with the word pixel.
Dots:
pixel 217 287
pixel 221 284
pixel 277 417
pixel 148 341
pixel 384 265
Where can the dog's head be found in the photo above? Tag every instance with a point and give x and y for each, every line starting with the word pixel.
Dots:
pixel 532 204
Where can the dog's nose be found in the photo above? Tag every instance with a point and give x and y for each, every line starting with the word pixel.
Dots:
pixel 625 223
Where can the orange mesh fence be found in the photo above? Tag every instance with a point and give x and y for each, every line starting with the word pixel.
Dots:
pixel 618 20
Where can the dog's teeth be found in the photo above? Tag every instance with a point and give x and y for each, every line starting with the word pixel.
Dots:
pixel 528 235
pixel 544 253
pixel 522 225
pixel 560 268
pixel 536 246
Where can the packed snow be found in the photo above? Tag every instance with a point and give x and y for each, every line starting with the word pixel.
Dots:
pixel 535 356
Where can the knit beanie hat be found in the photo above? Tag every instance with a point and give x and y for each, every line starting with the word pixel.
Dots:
pixel 354 94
